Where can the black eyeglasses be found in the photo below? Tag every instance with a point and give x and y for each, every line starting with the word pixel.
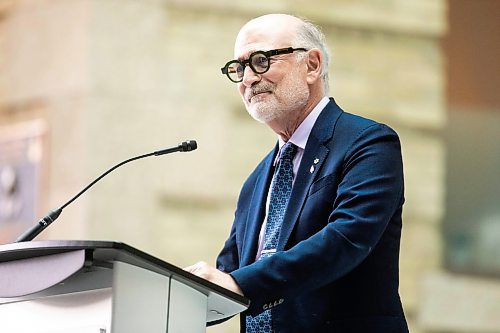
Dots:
pixel 259 62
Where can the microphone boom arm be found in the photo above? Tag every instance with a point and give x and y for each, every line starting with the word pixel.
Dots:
pixel 44 222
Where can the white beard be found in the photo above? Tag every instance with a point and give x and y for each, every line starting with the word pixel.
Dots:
pixel 289 96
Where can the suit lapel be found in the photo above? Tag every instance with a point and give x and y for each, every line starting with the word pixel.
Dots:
pixel 315 154
pixel 257 210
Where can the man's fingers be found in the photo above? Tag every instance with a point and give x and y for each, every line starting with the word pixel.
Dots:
pixel 212 274
pixel 196 267
pixel 203 270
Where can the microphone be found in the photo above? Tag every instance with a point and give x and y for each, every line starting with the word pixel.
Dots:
pixel 31 233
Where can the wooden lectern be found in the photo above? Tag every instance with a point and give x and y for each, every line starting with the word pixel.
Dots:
pixel 102 287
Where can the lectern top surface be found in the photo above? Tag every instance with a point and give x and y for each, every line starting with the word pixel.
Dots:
pixel 109 251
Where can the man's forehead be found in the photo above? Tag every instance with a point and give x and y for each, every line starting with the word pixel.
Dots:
pixel 245 51
pixel 267 32
pixel 259 39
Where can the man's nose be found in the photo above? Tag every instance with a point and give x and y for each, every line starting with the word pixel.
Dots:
pixel 249 77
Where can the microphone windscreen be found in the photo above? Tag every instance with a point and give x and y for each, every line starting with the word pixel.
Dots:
pixel 192 145
pixel 188 145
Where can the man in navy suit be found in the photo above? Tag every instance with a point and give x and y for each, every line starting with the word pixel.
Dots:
pixel 333 266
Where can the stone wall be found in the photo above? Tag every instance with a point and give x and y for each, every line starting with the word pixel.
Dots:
pixel 118 78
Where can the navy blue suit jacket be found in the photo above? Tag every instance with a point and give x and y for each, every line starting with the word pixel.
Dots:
pixel 336 266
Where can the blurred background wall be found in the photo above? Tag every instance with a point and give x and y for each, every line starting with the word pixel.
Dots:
pixel 85 84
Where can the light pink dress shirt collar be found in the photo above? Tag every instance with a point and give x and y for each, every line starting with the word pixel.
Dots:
pixel 301 134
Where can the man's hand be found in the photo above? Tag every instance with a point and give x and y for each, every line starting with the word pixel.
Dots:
pixel 212 274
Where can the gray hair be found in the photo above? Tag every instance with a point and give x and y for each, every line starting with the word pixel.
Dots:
pixel 310 36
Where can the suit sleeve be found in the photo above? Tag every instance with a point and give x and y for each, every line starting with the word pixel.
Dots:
pixel 368 194
pixel 227 261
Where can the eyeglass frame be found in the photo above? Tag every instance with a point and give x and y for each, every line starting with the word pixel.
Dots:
pixel 267 54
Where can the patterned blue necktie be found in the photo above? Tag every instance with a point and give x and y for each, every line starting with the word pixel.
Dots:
pixel 281 189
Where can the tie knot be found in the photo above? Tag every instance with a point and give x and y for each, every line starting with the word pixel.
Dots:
pixel 288 151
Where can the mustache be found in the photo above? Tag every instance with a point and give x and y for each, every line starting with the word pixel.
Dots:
pixel 257 89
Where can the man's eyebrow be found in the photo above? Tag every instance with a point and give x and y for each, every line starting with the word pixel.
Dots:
pixel 246 55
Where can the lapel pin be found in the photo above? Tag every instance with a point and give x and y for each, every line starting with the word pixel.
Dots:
pixel 312 169
pixel 316 161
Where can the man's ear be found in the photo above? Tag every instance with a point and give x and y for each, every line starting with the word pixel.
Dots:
pixel 314 62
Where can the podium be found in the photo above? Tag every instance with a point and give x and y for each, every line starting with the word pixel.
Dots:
pixel 102 287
